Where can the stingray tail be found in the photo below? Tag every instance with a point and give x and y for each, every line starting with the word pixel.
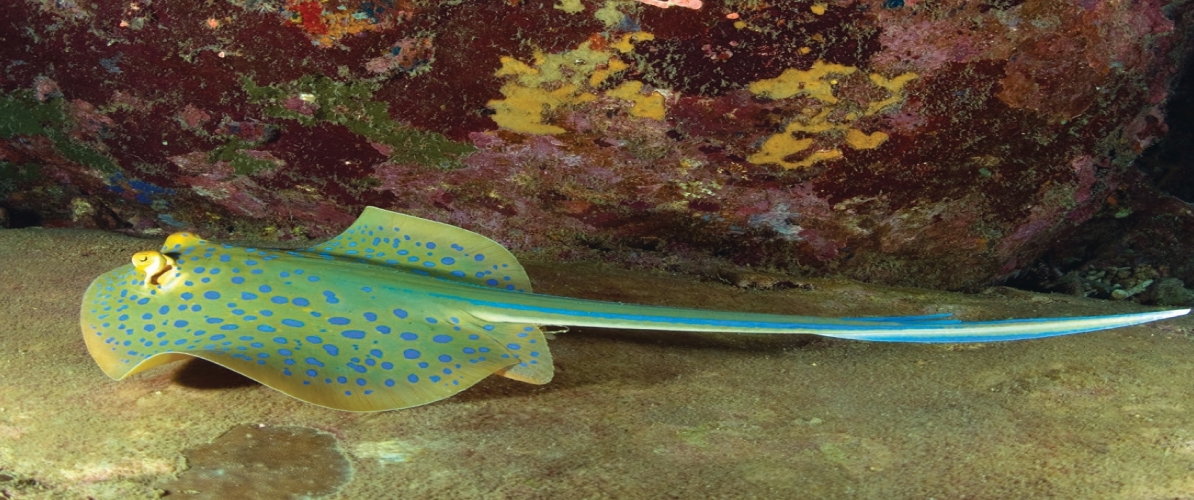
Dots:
pixel 545 309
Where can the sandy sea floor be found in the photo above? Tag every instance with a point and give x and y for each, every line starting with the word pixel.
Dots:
pixel 630 413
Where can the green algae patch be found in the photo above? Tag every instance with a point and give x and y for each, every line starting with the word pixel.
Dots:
pixel 242 162
pixel 21 114
pixel 13 175
pixel 312 100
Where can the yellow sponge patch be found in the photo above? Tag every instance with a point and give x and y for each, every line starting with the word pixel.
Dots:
pixel 553 81
pixel 827 120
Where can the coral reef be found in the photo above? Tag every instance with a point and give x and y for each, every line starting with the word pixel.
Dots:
pixel 945 144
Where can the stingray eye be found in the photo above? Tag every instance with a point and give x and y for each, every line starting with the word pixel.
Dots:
pixel 153 265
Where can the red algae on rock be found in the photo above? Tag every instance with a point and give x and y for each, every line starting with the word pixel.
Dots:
pixel 940 144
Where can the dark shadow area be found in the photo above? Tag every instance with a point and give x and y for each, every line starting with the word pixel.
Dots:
pixel 16 218
pixel 594 356
pixel 1137 246
pixel 201 374
pixel 1170 163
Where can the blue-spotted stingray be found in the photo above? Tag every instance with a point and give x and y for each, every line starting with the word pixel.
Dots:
pixel 399 311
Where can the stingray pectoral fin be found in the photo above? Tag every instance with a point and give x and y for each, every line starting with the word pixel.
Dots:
pixel 120 371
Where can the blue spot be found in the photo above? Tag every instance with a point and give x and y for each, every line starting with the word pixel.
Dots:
pixel 266 312
pixel 211 294
pixel 278 299
pixel 312 373
pixel 375 353
pixel 444 358
pixel 292 322
pixel 237 280
pixel 342 379
pixel 187 295
pixel 353 334
pixel 180 323
pixel 265 289
pixel 432 320
pixel 434 378
pixel 196 308
pixel 370 316
pixel 247 296
pixel 281 340
pixel 213 321
pixel 180 341
pixel 411 354
pixel 447 261
pixel 383 329
pixel 301 302
pixel 229 326
pixel 513 347
pixel 148 328
pixel 313 278
pixel 430 245
pixel 479 257
pixel 468 350
pixel 163 309
pixel 217 337
pixel 390 382
pixel 266 328
pixel 331 349
pixel 458 273
pixel 400 313
pixel 491 282
pixel 409 336
pixel 442 339
pixel 314 339
pixel 361 381
pixel 336 320
pixel 386 365
pixel 313 361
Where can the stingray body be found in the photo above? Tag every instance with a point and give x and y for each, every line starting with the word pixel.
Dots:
pixel 399 311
